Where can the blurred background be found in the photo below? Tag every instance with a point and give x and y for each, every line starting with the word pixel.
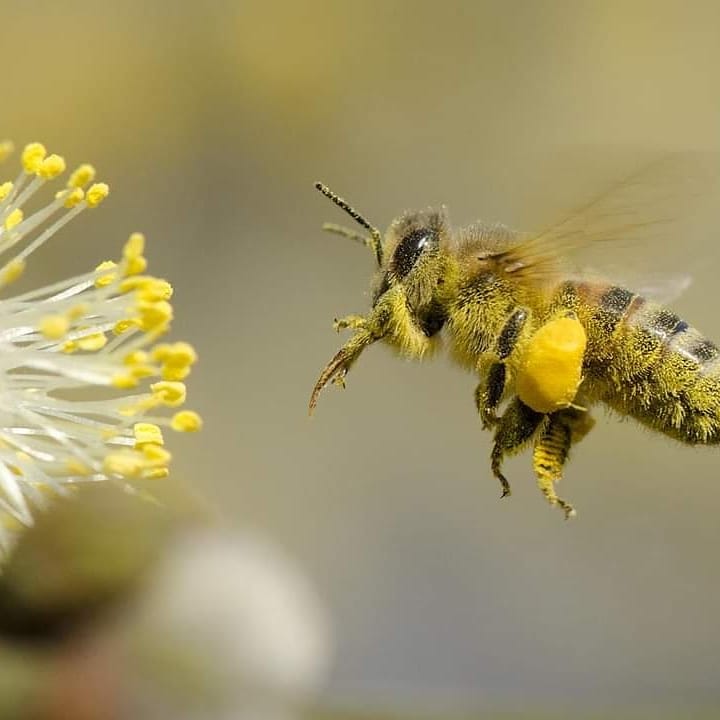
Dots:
pixel 211 121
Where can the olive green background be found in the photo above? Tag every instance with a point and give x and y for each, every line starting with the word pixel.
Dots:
pixel 211 121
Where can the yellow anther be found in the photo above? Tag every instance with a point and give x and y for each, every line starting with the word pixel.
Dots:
pixel 96 194
pixel 78 311
pixel 5 190
pixel 107 279
pixel 148 288
pixel 81 176
pixel 186 421
pixel 124 464
pixel 135 265
pixel 12 271
pixel 161 352
pixel 122 326
pixel 54 327
pixel 96 341
pixel 154 315
pixel 135 246
pixel 69 346
pixel 124 381
pixel 51 167
pixel 183 353
pixel 155 473
pixel 147 433
pixel 32 156
pixel 77 467
pixel 71 198
pixel 156 455
pixel 13 219
pixel 6 148
pixel 176 359
pixel 137 357
pixel 169 393
pixel 169 372
pixel 143 371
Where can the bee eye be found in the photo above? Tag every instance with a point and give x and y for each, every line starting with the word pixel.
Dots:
pixel 409 250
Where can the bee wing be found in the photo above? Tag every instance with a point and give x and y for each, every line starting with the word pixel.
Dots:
pixel 650 208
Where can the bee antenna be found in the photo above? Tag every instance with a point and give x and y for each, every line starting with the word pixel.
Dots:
pixel 375 236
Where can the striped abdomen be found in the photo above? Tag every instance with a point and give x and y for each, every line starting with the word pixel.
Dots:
pixel 645 361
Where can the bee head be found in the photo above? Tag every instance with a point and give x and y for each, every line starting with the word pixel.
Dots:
pixel 413 260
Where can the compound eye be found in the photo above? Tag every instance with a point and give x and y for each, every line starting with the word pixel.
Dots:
pixel 409 250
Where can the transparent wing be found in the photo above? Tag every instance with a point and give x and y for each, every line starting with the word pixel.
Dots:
pixel 653 210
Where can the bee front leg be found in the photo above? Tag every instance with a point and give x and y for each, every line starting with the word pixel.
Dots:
pixel 552 448
pixel 352 322
pixel 515 428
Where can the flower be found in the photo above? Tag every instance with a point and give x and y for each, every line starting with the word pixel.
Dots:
pixel 97 330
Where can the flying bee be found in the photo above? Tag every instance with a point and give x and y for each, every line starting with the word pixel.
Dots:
pixel 546 342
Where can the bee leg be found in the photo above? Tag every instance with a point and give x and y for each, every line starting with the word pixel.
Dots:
pixel 552 448
pixel 352 322
pixel 517 425
pixel 488 394
pixel 336 370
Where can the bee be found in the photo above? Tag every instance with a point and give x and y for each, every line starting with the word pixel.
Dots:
pixel 546 344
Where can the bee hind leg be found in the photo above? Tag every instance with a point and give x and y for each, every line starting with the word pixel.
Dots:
pixel 552 447
pixel 515 428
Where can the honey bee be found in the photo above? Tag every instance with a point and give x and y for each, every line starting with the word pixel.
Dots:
pixel 546 344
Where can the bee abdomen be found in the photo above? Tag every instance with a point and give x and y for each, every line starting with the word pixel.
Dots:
pixel 659 369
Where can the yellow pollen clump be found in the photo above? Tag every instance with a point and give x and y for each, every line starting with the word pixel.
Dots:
pixel 96 194
pixel 147 433
pixel 186 421
pixel 6 149
pixel 32 156
pixel 5 189
pixel 51 167
pixel 13 219
pixel 81 176
pixel 12 271
pixel 54 327
pixel 169 393
pixel 69 346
